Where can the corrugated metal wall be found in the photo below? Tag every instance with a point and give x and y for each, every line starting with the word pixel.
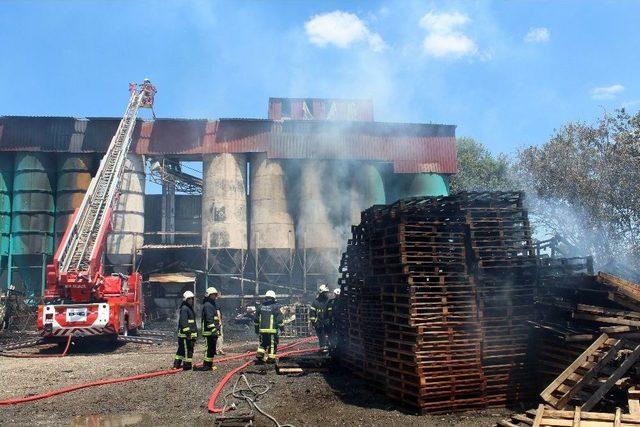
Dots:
pixel 412 148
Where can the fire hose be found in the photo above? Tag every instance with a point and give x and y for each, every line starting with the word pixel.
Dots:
pixel 46 395
pixel 218 390
pixel 33 356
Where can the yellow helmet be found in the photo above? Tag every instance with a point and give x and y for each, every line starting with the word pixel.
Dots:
pixel 210 291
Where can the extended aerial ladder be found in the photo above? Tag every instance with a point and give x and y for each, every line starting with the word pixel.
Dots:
pixel 79 298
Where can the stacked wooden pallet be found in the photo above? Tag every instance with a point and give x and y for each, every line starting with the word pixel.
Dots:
pixel 432 339
pixel 505 276
pixel 360 327
pixel 446 288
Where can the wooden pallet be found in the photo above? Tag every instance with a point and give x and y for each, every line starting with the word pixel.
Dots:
pixel 545 417
pixel 581 371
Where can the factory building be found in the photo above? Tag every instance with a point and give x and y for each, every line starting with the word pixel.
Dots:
pixel 272 209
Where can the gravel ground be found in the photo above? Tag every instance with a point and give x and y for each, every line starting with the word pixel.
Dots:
pixel 328 399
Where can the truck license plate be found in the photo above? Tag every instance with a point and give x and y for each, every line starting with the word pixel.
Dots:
pixel 77 314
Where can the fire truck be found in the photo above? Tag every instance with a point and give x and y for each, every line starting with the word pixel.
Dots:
pixel 80 299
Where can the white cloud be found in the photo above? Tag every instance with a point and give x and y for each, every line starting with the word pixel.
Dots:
pixel 606 92
pixel 341 29
pixel 443 38
pixel 537 35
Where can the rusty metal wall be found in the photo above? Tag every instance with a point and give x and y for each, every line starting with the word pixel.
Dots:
pixel 412 148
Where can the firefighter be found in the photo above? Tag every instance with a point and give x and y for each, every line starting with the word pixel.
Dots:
pixel 187 333
pixel 211 327
pixel 330 321
pixel 317 316
pixel 268 323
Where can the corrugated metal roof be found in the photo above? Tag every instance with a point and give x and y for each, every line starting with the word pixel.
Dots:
pixel 411 147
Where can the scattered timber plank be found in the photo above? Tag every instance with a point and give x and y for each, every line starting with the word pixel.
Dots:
pixel 606 319
pixel 570 381
pixel 634 403
pixel 617 374
pixel 607 311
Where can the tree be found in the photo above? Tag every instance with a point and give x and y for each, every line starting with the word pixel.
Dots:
pixel 582 184
pixel 478 169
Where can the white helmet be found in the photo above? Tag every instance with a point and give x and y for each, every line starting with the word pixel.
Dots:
pixel 270 294
pixel 210 291
pixel 336 291
pixel 187 295
pixel 323 288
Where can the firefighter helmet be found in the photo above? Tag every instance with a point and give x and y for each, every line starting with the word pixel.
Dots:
pixel 210 291
pixel 270 294
pixel 336 291
pixel 187 295
pixel 323 288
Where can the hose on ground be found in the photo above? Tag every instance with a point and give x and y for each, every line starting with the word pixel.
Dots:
pixel 251 395
pixel 34 356
pixel 220 386
pixel 52 393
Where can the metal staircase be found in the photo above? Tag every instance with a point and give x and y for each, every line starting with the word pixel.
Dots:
pixel 78 249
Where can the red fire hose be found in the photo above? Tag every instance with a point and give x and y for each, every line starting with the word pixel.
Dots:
pixel 33 356
pixel 64 390
pixel 218 390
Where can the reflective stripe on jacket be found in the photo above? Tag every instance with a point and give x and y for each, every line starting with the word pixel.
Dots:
pixel 269 318
pixel 210 321
pixel 317 310
pixel 187 327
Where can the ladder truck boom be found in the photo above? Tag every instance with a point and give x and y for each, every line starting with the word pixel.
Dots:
pixel 79 298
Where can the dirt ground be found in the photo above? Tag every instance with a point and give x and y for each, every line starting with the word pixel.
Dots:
pixel 333 398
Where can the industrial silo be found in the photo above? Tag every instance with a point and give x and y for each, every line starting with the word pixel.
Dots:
pixel 402 185
pixel 74 177
pixel 317 236
pixel 32 218
pixel 272 235
pixel 224 217
pixel 6 185
pixel 127 234
pixel 427 184
pixel 367 189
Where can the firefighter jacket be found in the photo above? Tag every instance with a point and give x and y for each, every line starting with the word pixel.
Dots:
pixel 317 310
pixel 210 320
pixel 269 318
pixel 187 327
pixel 329 312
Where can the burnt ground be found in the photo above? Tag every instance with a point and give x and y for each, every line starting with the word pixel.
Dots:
pixel 333 398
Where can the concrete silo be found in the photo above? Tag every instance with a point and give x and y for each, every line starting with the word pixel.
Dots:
pixel 367 189
pixel 6 185
pixel 127 233
pixel 224 201
pixel 317 236
pixel 74 177
pixel 32 218
pixel 224 218
pixel 272 233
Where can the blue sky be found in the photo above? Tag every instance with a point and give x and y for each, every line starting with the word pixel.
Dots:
pixel 506 73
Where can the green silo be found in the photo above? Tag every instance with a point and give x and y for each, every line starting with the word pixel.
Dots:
pixel 6 180
pixel 32 217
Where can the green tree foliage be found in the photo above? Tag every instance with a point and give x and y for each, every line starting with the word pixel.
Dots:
pixel 583 184
pixel 478 169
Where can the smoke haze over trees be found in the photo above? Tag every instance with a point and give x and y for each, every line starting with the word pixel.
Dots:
pixel 582 184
